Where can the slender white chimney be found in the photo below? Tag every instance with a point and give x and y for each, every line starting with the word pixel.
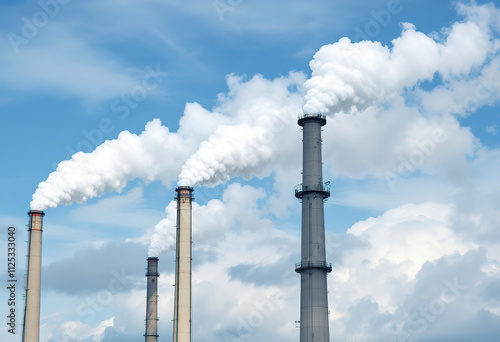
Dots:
pixel 182 296
pixel 31 327
pixel 152 275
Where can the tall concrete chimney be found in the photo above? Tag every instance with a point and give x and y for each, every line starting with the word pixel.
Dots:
pixel 313 267
pixel 152 275
pixel 182 297
pixel 31 327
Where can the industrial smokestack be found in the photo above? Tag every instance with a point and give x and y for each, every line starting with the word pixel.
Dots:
pixel 182 297
pixel 313 267
pixel 152 275
pixel 31 328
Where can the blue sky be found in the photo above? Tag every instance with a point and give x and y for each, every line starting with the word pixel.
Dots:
pixel 213 88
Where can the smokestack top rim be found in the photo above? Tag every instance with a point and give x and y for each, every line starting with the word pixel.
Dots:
pixel 36 212
pixel 153 258
pixel 304 117
pixel 184 188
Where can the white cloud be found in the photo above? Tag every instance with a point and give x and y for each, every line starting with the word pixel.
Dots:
pixel 409 236
pixel 244 284
pixel 78 331
pixel 492 129
pixel 406 250
pixel 217 218
pixel 465 95
pixel 394 141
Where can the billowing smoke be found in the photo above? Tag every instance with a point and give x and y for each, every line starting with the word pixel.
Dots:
pixel 349 77
pixel 346 77
pixel 240 142
pixel 149 156
pixel 236 150
pixel 253 125
pixel 213 220
pixel 262 110
pixel 163 239
pixel 155 154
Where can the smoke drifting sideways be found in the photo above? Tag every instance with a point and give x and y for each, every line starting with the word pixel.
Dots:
pixel 258 124
pixel 346 78
pixel 250 107
pixel 264 117
pixel 349 77
pixel 238 150
pixel 109 167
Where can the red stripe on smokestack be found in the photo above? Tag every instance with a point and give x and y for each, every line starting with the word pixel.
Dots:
pixel 31 328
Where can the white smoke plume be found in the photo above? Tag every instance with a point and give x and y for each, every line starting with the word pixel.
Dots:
pixel 232 150
pixel 110 166
pixel 253 125
pixel 239 142
pixel 155 154
pixel 163 239
pixel 346 77
pixel 262 111
pixel 213 220
pixel 350 76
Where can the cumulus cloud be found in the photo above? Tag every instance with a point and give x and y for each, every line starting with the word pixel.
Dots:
pixel 76 331
pixel 393 234
pixel 396 141
pixel 420 256
pixel 463 96
pixel 389 267
pixel 385 269
pixel 216 221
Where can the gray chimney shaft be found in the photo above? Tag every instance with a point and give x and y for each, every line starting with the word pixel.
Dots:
pixel 31 328
pixel 152 275
pixel 313 267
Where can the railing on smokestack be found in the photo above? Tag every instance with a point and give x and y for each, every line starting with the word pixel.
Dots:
pixel 322 188
pixel 184 192
pixel 326 266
